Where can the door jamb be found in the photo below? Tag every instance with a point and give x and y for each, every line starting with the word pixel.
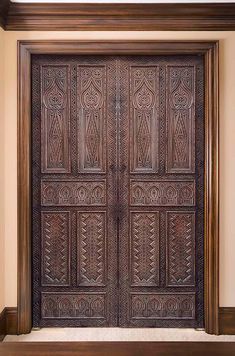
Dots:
pixel 209 49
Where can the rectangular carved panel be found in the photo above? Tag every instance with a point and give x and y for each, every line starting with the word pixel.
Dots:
pixel 73 305
pixel 55 96
pixel 73 193
pixel 91 248
pixel 144 248
pixel 180 248
pixel 55 248
pixel 92 118
pixel 162 193
pixel 144 118
pixel 181 119
pixel 163 306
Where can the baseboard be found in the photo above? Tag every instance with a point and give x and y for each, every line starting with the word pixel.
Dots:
pixel 2 324
pixel 8 322
pixel 227 320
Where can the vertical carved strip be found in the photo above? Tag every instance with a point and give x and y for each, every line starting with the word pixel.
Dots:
pixel 55 248
pixel 91 248
pixel 180 119
pixel 145 248
pixel 144 119
pixel 180 249
pixel 55 119
pixel 92 118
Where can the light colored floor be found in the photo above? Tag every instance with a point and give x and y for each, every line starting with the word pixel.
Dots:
pixel 118 334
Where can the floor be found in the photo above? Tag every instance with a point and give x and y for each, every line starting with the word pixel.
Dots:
pixel 117 348
pixel 117 334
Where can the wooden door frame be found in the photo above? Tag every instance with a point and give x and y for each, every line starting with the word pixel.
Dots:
pixel 209 49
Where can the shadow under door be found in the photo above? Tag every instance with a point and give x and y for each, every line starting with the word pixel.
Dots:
pixel 117 187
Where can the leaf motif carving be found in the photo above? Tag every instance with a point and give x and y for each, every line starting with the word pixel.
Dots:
pixel 92 138
pixel 181 120
pixel 55 120
pixel 144 119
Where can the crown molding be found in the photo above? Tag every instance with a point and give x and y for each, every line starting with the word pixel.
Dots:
pixel 116 17
pixel 4 7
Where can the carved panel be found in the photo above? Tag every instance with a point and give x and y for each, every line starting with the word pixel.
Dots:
pixel 55 119
pixel 181 119
pixel 162 306
pixel 144 119
pixel 92 118
pixel 145 248
pixel 73 193
pixel 180 248
pixel 73 305
pixel 55 248
pixel 162 193
pixel 91 248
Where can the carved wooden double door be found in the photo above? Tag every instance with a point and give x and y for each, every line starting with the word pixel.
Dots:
pixel 117 187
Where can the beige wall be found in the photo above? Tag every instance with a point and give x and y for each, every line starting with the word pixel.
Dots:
pixel 227 147
pixel 1 173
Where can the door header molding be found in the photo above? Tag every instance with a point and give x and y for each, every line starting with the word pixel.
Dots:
pixel 117 17
pixel 211 236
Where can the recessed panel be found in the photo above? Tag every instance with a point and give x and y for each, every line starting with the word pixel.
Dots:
pixel 55 129
pixel 162 306
pixel 144 118
pixel 73 305
pixel 55 248
pixel 180 119
pixel 68 193
pixel 91 235
pixel 162 193
pixel 144 232
pixel 92 118
pixel 180 248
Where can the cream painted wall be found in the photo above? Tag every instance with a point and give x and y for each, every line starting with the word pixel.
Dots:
pixel 227 145
pixel 1 172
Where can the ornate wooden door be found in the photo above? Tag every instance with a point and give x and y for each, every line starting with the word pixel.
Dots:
pixel 74 192
pixel 161 191
pixel 117 180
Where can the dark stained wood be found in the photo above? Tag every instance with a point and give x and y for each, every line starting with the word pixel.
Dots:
pixel 75 211
pixel 74 191
pixel 227 321
pixel 11 320
pixel 117 348
pixel 8 322
pixel 104 47
pixel 210 51
pixel 143 17
pixel 2 324
pixel 4 7
pixel 212 191
pixel 24 193
pixel 158 96
pixel 55 152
